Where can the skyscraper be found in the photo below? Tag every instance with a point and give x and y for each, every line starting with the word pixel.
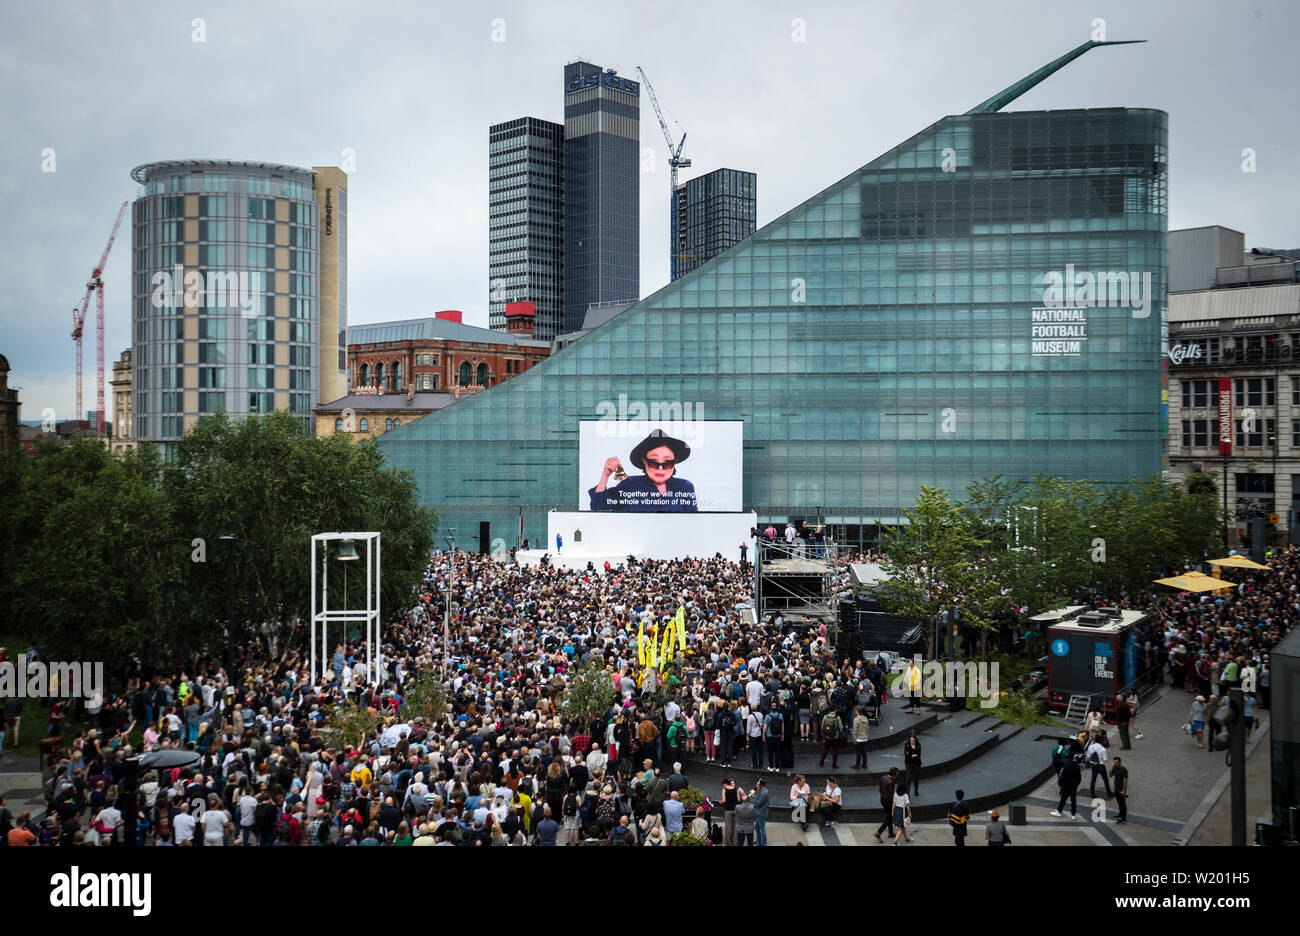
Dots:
pixel 905 325
pixel 711 213
pixel 602 189
pixel 239 291
pixel 526 221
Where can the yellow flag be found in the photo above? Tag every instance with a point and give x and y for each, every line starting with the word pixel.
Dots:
pixel 681 628
pixel 640 644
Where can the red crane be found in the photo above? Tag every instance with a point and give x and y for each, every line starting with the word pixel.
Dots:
pixel 96 285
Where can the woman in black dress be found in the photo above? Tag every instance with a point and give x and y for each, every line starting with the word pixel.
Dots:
pixel 912 759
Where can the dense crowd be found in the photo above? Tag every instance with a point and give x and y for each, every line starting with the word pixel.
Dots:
pixel 504 763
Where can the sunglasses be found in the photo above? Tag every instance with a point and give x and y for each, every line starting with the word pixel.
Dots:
pixel 659 464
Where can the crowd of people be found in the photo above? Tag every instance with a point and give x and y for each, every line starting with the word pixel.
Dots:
pixel 502 761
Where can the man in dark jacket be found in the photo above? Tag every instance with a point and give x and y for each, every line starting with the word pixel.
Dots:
pixel 390 817
pixel 887 802
pixel 1071 777
pixel 958 816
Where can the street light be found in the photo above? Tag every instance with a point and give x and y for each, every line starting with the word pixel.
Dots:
pixel 446 620
pixel 227 649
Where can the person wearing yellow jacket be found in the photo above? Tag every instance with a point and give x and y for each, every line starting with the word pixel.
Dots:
pixel 912 687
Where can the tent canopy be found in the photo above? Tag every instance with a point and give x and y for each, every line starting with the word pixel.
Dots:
pixel 1237 562
pixel 1195 582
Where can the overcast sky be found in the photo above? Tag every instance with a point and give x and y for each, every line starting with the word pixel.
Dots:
pixel 411 87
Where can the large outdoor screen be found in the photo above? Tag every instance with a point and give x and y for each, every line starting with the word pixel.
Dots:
pixel 664 466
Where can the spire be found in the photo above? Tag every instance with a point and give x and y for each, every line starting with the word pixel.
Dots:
pixel 1007 95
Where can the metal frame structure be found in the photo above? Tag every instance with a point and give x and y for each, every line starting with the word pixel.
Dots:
pixel 369 612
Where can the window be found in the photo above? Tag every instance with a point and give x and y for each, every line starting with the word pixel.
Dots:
pixel 365 424
pixel 464 373
pixel 482 375
pixel 213 378
pixel 427 383
pixel 300 260
pixel 338 425
pixel 300 213
pixel 1255 484
pixel 173 402
pixel 260 232
pixel 1255 391
pixel 365 375
pixel 1295 433
pixel 379 375
pixel 396 423
pixel 212 328
pixel 300 308
pixel 212 230
pixel 261 353
pixel 300 331
pixel 300 403
pixel 434 359
pixel 259 185
pixel 261 378
pixel 211 206
pixel 212 402
pixel 397 375
pixel 1262 432
pixel 291 189
pixel 259 331
pixel 300 356
pixel 299 236
pixel 299 380
pixel 388 425
pixel 1197 432
pixel 212 352
pixel 1196 394
pixel 260 257
pixel 261 402
pixel 260 208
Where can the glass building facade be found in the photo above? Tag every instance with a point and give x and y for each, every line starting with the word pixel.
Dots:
pixel 239 283
pixel 602 189
pixel 526 222
pixel 711 213
pixel 903 327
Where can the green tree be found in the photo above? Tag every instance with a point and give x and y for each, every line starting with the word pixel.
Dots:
pixel 272 486
pixel 588 694
pixel 93 561
pixel 425 697
pixel 936 561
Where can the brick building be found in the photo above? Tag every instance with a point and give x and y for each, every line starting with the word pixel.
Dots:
pixel 442 353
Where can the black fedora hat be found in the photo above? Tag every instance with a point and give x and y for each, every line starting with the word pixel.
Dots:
pixel 657 438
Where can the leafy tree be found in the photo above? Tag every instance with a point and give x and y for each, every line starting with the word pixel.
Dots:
pixel 425 697
pixel 588 694
pixel 936 561
pixel 272 486
pixel 93 560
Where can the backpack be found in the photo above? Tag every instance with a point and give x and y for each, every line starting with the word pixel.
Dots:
pixel 831 726
pixel 711 721
pixel 571 805
pixel 729 720
pixel 1058 755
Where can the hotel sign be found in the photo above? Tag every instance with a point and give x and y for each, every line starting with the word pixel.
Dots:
pixel 329 211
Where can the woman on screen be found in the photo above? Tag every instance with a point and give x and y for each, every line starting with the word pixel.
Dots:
pixel 658 489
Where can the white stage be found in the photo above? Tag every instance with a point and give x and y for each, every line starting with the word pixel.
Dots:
pixel 591 536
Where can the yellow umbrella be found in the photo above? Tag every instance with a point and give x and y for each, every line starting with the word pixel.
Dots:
pixel 1195 582
pixel 1237 562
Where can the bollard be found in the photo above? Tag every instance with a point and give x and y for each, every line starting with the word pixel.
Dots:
pixel 1017 813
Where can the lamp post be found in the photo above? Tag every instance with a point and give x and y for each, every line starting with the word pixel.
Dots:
pixel 226 652
pixel 446 620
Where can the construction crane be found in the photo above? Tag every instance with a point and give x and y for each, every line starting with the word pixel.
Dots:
pixel 96 285
pixel 675 161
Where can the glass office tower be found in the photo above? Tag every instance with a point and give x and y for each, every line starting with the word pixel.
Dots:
pixel 602 189
pixel 526 222
pixel 925 320
pixel 239 292
pixel 711 213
